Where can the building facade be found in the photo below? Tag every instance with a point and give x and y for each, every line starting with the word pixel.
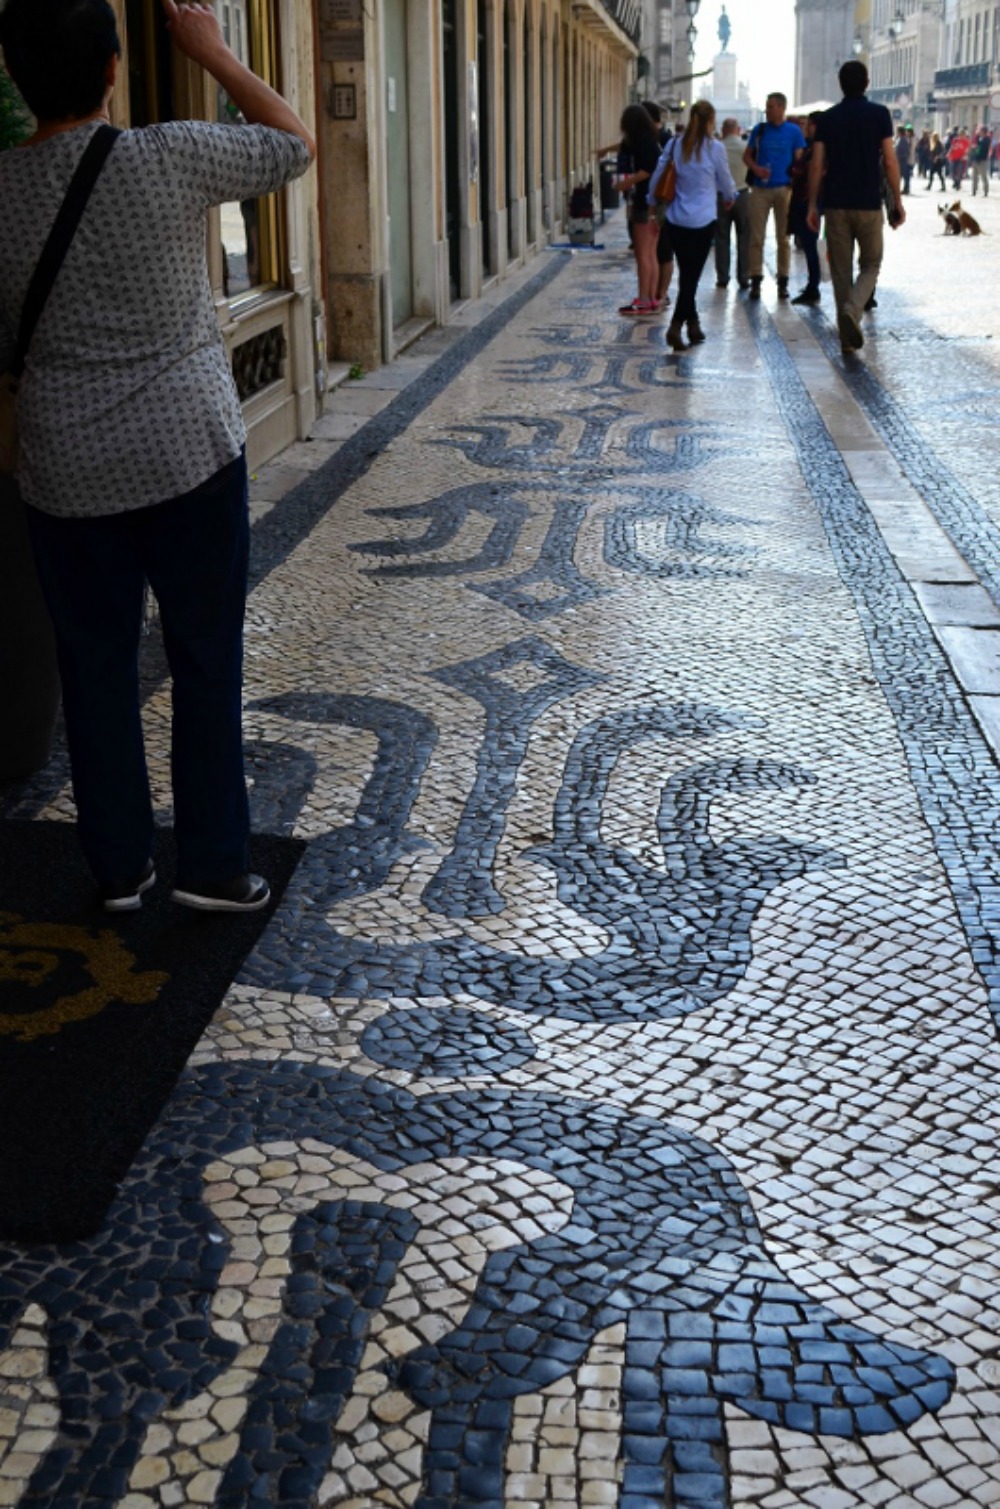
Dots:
pixel 668 34
pixel 904 46
pixel 451 134
pixel 824 32
pixel 934 63
pixel 967 75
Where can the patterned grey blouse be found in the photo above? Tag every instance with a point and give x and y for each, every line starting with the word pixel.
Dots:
pixel 128 398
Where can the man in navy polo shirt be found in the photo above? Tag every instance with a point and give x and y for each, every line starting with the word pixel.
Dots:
pixel 773 146
pixel 852 153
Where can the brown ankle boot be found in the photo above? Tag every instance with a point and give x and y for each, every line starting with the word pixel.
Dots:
pixel 675 338
pixel 695 333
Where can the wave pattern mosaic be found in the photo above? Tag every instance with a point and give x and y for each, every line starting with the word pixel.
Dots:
pixel 609 1114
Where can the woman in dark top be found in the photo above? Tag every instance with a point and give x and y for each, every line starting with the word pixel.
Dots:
pixel 939 161
pixel 640 141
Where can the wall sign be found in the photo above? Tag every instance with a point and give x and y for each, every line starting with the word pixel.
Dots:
pixel 340 10
pixel 345 46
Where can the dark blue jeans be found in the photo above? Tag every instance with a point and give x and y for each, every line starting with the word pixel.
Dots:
pixel 193 551
pixel 808 240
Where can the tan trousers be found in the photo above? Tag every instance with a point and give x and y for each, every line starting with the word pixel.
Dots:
pixel 762 201
pixel 843 229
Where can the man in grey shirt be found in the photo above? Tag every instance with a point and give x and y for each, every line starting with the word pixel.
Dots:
pixel 737 217
pixel 133 461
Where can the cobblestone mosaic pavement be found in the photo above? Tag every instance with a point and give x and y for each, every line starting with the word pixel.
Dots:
pixel 610 1114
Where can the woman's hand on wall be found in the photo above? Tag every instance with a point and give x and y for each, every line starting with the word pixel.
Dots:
pixel 196 31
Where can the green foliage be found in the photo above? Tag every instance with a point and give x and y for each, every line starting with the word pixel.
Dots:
pixel 15 122
pixel 356 373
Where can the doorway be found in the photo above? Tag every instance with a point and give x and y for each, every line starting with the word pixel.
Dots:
pixel 452 174
pixel 531 230
pixel 398 154
pixel 484 56
pixel 509 131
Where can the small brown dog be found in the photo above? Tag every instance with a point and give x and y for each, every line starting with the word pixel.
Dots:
pixel 958 222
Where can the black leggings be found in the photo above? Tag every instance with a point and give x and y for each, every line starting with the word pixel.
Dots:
pixel 691 248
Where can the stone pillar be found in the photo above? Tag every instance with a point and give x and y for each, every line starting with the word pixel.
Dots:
pixel 354 192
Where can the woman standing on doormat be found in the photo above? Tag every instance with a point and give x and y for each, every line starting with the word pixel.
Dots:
pixel 133 459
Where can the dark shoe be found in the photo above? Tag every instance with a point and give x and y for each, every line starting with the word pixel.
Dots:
pixel 872 304
pixel 128 898
pixel 782 288
pixel 755 287
pixel 744 284
pixel 722 282
pixel 807 296
pixel 245 893
pixel 695 333
pixel 849 330
pixel 675 339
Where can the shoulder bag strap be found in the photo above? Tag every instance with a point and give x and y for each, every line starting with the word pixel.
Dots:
pixel 61 237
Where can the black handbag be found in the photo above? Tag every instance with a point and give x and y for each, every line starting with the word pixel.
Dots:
pixel 53 256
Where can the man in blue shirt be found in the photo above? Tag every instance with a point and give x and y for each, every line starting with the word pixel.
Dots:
pixel 773 146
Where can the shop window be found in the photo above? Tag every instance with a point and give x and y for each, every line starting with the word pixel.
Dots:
pixel 252 255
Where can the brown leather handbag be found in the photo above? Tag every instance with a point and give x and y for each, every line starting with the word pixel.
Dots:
pixel 666 189
pixel 53 255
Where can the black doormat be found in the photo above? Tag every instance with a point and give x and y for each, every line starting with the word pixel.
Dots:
pixel 98 1015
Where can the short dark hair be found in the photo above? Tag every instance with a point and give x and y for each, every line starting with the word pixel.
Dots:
pixel 776 94
pixel 653 110
pixel 853 78
pixel 57 52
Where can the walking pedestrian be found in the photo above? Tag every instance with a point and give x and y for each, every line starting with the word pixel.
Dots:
pixel 924 155
pixel 939 161
pixel 703 178
pixel 773 147
pixel 133 459
pixel 737 218
pixel 979 159
pixel 958 149
pixel 904 156
pixel 664 244
pixel 853 148
pixel 639 141
pixel 807 238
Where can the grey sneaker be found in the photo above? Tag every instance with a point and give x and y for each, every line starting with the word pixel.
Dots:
pixel 244 893
pixel 128 898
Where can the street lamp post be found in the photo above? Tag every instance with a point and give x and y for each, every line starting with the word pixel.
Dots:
pixel 692 31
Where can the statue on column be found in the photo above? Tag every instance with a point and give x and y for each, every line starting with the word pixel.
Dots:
pixel 725 30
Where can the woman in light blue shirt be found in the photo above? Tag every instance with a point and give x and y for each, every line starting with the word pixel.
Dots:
pixel 703 177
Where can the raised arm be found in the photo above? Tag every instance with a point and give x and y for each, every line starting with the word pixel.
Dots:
pixel 195 29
